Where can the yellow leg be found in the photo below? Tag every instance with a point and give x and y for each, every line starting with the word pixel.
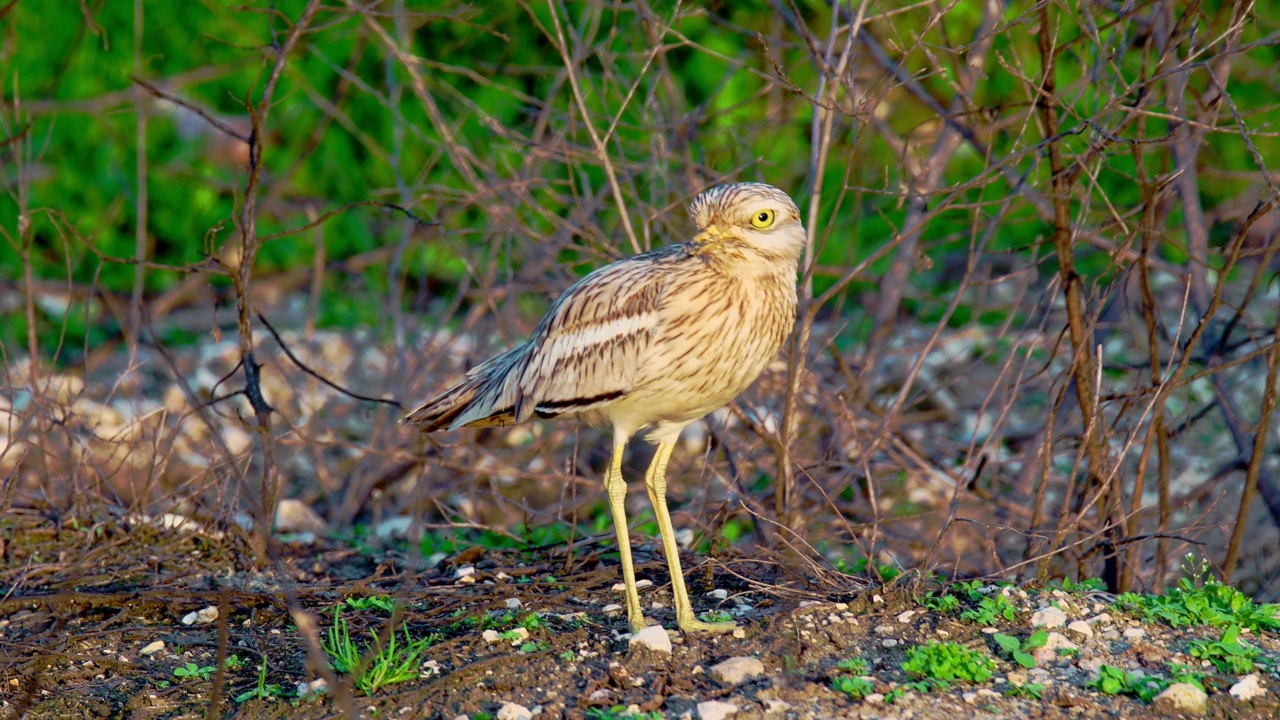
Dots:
pixel 655 481
pixel 616 488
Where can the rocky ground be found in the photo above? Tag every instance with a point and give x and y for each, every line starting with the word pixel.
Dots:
pixel 127 618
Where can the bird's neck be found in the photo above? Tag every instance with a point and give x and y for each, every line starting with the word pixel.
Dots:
pixel 738 256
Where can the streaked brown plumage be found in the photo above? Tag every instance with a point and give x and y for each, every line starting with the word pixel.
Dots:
pixel 652 342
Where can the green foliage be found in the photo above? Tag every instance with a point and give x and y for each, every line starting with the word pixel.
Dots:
pixel 948 662
pixel 396 661
pixel 1228 653
pixel 854 666
pixel 374 603
pixel 1213 604
pixel 1112 680
pixel 1025 690
pixel 716 616
pixel 945 603
pixel 1091 584
pixel 990 610
pixel 192 671
pixel 1179 673
pixel 853 686
pixel 920 686
pixel 619 712
pixel 263 690
pixel 1020 652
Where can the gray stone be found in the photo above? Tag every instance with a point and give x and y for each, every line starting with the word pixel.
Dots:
pixel 716 710
pixel 736 670
pixel 1181 698
pixel 1081 628
pixel 152 648
pixel 512 711
pixel 1052 644
pixel 653 639
pixel 1049 617
pixel 296 516
pixel 1249 687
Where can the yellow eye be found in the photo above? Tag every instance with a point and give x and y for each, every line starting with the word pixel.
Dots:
pixel 762 219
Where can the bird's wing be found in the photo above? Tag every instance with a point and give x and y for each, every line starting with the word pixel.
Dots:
pixel 587 350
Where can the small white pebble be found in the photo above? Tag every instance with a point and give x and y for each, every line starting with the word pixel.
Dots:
pixel 1049 617
pixel 1134 633
pixel 1249 687
pixel 1080 627
pixel 640 585
pixel 514 604
pixel 718 594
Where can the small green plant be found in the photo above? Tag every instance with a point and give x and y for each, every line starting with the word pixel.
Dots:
pixel 920 686
pixel 855 687
pixel 1092 584
pixel 1200 599
pixel 945 603
pixel 990 609
pixel 854 666
pixel 568 656
pixel 1020 652
pixel 533 646
pixel 392 663
pixel 233 662
pixel 716 616
pixel 1180 673
pixel 948 662
pixel 970 589
pixel 496 620
pixel 263 690
pixel 1112 680
pixel 374 603
pixel 618 712
pixel 193 671
pixel 1025 690
pixel 1229 654
pixel 531 622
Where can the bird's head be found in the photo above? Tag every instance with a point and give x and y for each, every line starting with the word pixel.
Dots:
pixel 758 216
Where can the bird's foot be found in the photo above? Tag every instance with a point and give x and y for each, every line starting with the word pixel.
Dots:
pixel 692 624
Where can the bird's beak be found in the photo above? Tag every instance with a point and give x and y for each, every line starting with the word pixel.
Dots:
pixel 711 233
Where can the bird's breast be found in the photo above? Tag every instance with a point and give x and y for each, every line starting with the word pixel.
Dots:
pixel 715 335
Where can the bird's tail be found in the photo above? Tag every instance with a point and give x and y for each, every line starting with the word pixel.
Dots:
pixel 477 401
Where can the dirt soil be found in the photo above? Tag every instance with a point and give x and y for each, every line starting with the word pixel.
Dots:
pixel 83 599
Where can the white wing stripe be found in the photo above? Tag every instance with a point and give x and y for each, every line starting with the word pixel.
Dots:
pixel 583 339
